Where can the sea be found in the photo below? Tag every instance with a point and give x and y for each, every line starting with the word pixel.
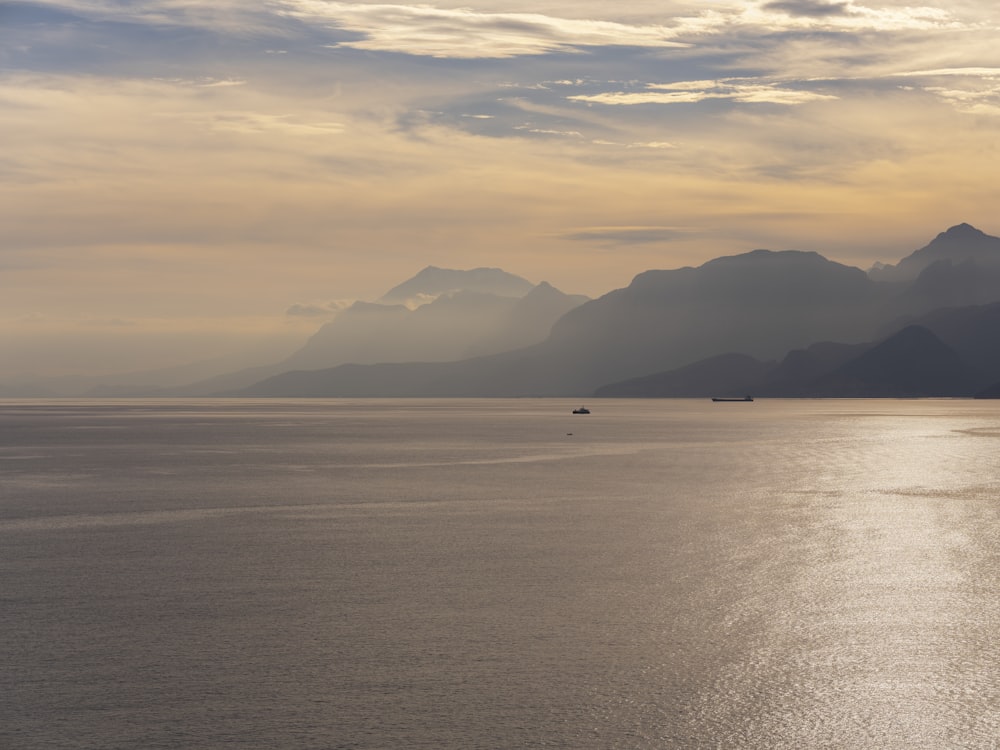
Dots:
pixel 476 573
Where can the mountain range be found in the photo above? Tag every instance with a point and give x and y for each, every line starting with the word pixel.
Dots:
pixel 771 323
pixel 786 323
pixel 439 314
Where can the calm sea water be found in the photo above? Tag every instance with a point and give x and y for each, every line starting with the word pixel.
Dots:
pixel 499 574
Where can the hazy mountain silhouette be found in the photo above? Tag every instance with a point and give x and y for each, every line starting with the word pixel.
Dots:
pixel 526 322
pixel 766 305
pixel 724 374
pixel 487 332
pixel 912 362
pixel 973 332
pixel 738 374
pixel 761 303
pixel 454 314
pixel 455 325
pixel 801 368
pixel 948 284
pixel 961 244
pixel 508 374
pixel 433 282
pixel 452 324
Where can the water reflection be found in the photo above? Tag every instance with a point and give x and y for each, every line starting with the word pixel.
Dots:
pixel 866 621
pixel 383 574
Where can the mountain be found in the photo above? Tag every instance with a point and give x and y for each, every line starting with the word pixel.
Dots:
pixel 913 362
pixel 739 374
pixel 946 283
pixel 800 368
pixel 432 282
pixel 526 322
pixel 455 325
pixel 973 332
pixel 769 306
pixel 766 305
pixel 448 325
pixel 961 244
pixel 506 374
pixel 762 303
pixel 720 375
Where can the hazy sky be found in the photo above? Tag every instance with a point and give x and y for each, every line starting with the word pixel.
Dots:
pixel 179 176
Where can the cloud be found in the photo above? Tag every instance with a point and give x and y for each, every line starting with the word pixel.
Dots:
pixel 213 83
pixel 654 145
pixel 969 72
pixel 813 15
pixel 744 91
pixel 318 309
pixel 550 131
pixel 978 92
pixel 809 8
pixel 260 122
pixel 629 235
pixel 422 298
pixel 466 33
pixel 225 16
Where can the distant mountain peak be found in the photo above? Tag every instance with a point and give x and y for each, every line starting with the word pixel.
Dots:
pixel 433 281
pixel 958 244
pixel 962 230
pixel 545 290
pixel 545 295
pixel 911 362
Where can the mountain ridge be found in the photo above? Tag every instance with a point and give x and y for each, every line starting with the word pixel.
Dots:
pixel 452 325
pixel 762 304
pixel 432 281
pixel 912 362
pixel 503 336
pixel 958 244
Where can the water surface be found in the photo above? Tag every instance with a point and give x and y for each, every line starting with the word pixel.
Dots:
pixel 499 573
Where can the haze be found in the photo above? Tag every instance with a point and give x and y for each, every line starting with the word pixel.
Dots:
pixel 184 180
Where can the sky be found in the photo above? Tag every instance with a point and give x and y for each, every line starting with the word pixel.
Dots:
pixel 181 180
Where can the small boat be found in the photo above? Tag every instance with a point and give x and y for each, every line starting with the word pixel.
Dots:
pixel 582 410
pixel 739 400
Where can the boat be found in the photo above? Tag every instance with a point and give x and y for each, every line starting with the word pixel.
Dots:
pixel 739 400
pixel 582 410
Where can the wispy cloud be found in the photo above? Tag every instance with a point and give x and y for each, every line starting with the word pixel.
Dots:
pixel 808 8
pixel 974 90
pixel 955 72
pixel 815 15
pixel 225 16
pixel 259 122
pixel 630 235
pixel 653 145
pixel 318 309
pixel 466 33
pixel 690 92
